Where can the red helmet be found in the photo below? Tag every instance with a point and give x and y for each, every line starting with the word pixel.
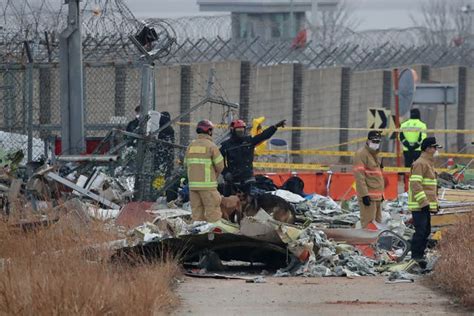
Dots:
pixel 205 126
pixel 238 124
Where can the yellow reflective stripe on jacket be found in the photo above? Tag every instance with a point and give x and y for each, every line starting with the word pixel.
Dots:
pixel 416 178
pixel 218 160
pixel 420 196
pixel 196 184
pixel 413 205
pixel 429 182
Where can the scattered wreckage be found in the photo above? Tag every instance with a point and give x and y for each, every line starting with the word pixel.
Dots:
pixel 313 235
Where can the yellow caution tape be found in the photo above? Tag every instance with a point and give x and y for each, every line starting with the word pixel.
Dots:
pixel 354 129
pixel 290 166
pixel 349 153
pixel 309 166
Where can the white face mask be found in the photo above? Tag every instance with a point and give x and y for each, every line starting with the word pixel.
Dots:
pixel 436 153
pixel 374 146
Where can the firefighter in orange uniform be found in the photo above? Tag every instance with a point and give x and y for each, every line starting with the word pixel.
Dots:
pixel 204 163
pixel 369 180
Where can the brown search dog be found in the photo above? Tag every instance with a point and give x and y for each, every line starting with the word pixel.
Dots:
pixel 231 208
pixel 279 208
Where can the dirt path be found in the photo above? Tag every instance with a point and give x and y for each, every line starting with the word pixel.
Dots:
pixel 309 296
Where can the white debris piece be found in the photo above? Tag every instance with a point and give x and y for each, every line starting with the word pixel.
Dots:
pixel 289 196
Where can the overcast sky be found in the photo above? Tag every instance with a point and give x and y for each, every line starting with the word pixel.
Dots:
pixel 374 14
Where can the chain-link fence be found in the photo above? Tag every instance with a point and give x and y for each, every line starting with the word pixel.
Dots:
pixel 111 93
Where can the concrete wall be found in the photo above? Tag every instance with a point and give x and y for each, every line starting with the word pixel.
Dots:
pixel 366 92
pixel 322 98
pixel 446 75
pixel 271 96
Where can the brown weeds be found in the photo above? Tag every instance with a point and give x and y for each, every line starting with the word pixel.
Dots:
pixel 47 272
pixel 454 272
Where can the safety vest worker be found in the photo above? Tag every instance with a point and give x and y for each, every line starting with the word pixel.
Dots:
pixel 423 195
pixel 370 183
pixel 204 163
pixel 411 141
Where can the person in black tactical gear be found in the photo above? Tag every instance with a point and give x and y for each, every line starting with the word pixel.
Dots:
pixel 133 124
pixel 164 154
pixel 132 127
pixel 238 152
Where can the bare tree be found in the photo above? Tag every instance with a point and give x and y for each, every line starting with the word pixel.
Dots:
pixel 332 25
pixel 444 22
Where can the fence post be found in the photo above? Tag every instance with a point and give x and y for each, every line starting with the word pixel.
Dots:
pixel 298 74
pixel 461 119
pixel 145 150
pixel 185 103
pixel 71 69
pixel 244 100
pixel 387 99
pixel 344 110
pixel 29 70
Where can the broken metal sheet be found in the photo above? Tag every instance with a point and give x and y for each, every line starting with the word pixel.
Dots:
pixel 257 279
pixel 102 214
pixel 401 277
pixel 352 236
pixel 58 178
pixel 169 213
pixel 259 227
pixel 83 158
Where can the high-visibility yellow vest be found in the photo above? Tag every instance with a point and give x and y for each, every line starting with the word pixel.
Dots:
pixel 257 128
pixel 413 137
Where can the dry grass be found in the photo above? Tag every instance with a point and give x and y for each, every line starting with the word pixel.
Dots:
pixel 454 272
pixel 48 273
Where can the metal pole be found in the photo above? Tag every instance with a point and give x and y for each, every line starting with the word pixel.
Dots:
pixel 71 86
pixel 292 20
pixel 30 111
pixel 446 126
pixel 397 115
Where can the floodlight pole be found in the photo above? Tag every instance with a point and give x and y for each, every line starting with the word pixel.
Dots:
pixel 397 114
pixel 71 85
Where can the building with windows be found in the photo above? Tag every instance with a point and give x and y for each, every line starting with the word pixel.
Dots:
pixel 266 19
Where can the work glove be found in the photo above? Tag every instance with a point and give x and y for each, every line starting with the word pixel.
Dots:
pixel 366 200
pixel 280 124
pixel 425 208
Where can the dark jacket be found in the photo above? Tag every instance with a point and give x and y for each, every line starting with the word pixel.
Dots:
pixel 132 128
pixel 132 125
pixel 238 153
pixel 164 154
